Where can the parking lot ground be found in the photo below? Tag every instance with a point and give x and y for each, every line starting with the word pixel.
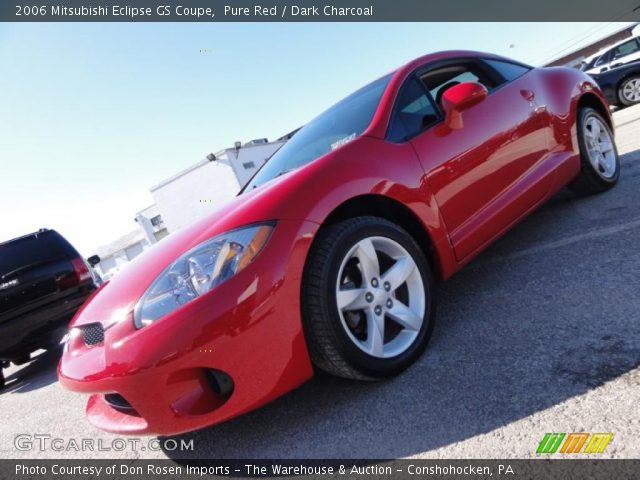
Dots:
pixel 540 334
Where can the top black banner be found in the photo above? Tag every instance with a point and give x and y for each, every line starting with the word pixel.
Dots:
pixel 317 10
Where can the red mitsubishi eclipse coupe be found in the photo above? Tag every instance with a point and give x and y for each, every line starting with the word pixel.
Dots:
pixel 328 257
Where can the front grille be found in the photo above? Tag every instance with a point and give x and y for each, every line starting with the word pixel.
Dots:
pixel 93 333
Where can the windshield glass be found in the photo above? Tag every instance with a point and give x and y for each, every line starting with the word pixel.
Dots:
pixel 340 124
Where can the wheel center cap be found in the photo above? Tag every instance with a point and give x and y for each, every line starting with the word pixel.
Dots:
pixel 379 296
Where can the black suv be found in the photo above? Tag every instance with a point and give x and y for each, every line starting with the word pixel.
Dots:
pixel 43 281
pixel 621 85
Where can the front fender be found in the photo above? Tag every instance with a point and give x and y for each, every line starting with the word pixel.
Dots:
pixel 367 166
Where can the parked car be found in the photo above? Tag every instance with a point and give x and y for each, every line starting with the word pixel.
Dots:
pixel 621 85
pixel 619 54
pixel 43 281
pixel 329 255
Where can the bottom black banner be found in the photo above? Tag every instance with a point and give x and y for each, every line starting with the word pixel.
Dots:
pixel 319 469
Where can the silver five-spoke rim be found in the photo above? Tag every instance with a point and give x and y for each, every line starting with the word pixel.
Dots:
pixel 600 147
pixel 631 90
pixel 380 297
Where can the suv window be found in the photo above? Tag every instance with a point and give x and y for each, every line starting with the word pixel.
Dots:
pixel 625 49
pixel 414 111
pixel 31 250
pixel 441 79
pixel 509 71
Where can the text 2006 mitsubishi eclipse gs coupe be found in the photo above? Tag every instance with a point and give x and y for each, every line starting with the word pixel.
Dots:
pixel 328 257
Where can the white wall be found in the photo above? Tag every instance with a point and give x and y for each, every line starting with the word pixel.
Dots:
pixel 111 264
pixel 106 265
pixel 187 198
pixel 134 250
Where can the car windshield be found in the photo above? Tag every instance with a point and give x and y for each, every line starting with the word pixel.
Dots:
pixel 339 125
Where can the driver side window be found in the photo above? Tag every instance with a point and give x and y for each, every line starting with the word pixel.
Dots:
pixel 413 112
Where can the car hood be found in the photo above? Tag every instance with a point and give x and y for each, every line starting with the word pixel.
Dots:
pixel 297 195
pixel 116 299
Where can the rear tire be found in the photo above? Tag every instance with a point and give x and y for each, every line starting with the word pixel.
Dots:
pixel 367 299
pixel 599 160
pixel 629 91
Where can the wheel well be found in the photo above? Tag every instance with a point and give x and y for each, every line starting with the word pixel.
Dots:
pixel 592 100
pixel 392 210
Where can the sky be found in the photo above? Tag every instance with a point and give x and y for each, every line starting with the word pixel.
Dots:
pixel 92 115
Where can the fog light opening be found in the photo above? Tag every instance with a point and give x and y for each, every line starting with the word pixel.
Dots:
pixel 220 382
pixel 119 403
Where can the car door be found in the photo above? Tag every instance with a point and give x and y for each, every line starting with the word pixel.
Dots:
pixel 625 53
pixel 483 175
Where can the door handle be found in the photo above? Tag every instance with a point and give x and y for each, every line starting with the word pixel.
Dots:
pixel 528 95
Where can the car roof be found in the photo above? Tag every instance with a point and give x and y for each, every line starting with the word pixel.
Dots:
pixel 36 234
pixel 446 54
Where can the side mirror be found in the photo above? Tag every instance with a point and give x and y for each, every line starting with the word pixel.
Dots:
pixel 93 260
pixel 459 98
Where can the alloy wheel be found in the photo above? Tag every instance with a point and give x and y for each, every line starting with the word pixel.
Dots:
pixel 380 297
pixel 600 148
pixel 631 90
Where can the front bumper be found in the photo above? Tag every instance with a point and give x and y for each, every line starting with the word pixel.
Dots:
pixel 249 328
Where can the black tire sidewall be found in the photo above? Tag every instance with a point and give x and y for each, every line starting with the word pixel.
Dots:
pixel 358 359
pixel 587 169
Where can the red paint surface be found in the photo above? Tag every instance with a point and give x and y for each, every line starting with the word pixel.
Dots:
pixel 466 186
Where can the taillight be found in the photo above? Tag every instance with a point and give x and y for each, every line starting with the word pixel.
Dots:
pixel 81 270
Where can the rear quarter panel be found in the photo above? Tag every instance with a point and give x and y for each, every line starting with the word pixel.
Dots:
pixel 561 91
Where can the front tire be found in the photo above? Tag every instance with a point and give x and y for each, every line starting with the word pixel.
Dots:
pixel 600 163
pixel 367 299
pixel 629 91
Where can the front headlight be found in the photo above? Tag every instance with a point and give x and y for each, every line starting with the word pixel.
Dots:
pixel 199 270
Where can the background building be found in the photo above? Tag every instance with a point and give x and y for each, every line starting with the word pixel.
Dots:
pixel 187 196
pixel 115 255
pixel 152 224
pixel 201 188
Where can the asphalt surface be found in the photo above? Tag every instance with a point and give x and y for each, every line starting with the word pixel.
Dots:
pixel 540 334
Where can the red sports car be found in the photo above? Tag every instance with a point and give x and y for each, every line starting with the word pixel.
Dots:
pixel 328 257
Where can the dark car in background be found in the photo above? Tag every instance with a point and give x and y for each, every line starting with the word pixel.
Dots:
pixel 621 85
pixel 621 53
pixel 43 281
